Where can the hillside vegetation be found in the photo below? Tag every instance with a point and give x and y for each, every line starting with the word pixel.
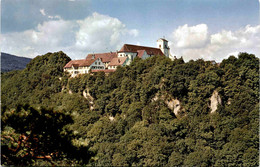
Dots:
pixel 155 112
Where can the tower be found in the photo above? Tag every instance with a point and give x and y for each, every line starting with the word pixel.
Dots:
pixel 163 45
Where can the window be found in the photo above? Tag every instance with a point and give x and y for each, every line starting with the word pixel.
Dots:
pixel 95 63
pixel 98 63
pixel 159 46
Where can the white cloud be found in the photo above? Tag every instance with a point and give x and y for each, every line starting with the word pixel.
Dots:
pixel 232 54
pixel 224 37
pixel 214 46
pixel 96 33
pixel 54 17
pixel 191 37
pixel 134 32
pixel 49 36
pixel 42 11
pixel 101 33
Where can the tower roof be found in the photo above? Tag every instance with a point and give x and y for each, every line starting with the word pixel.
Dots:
pixel 162 39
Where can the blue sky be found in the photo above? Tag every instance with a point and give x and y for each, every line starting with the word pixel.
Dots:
pixel 208 29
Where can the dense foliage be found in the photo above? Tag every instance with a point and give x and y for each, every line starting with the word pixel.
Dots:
pixel 126 118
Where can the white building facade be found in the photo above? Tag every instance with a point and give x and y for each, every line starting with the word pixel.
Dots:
pixel 75 67
pixel 163 45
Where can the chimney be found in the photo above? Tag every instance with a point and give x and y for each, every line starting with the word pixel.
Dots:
pixel 93 56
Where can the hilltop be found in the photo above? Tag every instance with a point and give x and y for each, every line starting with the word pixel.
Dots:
pixel 154 112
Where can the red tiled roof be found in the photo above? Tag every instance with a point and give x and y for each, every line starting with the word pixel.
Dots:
pixel 135 48
pixel 79 63
pixel 105 70
pixel 140 53
pixel 105 57
pixel 75 65
pixel 117 61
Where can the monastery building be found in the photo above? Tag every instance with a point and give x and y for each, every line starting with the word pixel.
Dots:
pixel 108 62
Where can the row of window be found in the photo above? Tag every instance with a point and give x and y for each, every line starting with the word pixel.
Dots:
pixel 97 67
pixel 112 67
pixel 97 63
pixel 124 55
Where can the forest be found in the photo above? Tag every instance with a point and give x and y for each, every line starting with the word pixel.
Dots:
pixel 154 112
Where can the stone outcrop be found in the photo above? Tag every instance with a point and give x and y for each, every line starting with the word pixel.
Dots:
pixel 173 104
pixel 87 96
pixel 111 118
pixel 215 100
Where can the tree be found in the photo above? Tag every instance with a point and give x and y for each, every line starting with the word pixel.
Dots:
pixel 35 134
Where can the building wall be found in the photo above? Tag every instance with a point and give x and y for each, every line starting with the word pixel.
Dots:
pixel 145 55
pixel 163 45
pixel 106 64
pixel 130 55
pixel 98 64
pixel 74 71
pixel 112 67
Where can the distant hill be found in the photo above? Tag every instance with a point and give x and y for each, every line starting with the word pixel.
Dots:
pixel 10 62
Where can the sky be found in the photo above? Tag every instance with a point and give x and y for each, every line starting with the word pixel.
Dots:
pixel 208 29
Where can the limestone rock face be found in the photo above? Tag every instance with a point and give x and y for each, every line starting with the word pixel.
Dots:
pixel 87 96
pixel 111 118
pixel 215 100
pixel 174 104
